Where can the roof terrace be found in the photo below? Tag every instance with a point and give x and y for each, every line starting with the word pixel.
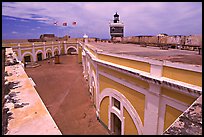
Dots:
pixel 173 55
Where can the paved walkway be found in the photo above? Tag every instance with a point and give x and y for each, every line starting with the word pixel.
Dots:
pixel 65 93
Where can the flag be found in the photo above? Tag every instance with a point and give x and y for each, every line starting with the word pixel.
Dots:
pixel 55 23
pixel 74 23
pixel 65 24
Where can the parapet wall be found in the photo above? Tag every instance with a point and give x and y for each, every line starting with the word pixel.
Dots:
pixel 24 111
pixel 174 40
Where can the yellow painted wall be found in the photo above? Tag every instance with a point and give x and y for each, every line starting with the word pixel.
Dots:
pixel 187 76
pixel 126 62
pixel 121 75
pixel 129 128
pixel 48 48
pixel 135 98
pixel 92 51
pixel 31 57
pixel 38 48
pixel 26 45
pixel 62 48
pixel 16 52
pixel 177 95
pixel 80 55
pixel 104 110
pixel 171 115
pixel 92 67
pixel 23 51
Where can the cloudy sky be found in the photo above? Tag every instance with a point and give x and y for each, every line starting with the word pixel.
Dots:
pixel 22 20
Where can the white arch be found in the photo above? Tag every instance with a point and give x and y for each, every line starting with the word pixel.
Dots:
pixel 55 49
pixel 71 47
pixel 38 52
pixel 125 102
pixel 27 52
pixel 93 84
pixel 46 51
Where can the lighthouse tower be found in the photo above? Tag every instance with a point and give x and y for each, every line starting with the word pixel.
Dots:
pixel 116 27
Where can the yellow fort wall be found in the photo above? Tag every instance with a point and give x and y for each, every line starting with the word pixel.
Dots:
pixel 121 75
pixel 91 50
pixel 177 95
pixel 104 110
pixel 62 48
pixel 27 50
pixel 93 68
pixel 80 55
pixel 135 98
pixel 16 52
pixel 171 114
pixel 126 62
pixel 129 128
pixel 38 48
pixel 187 76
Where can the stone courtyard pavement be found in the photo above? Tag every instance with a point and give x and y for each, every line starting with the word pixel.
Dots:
pixel 64 92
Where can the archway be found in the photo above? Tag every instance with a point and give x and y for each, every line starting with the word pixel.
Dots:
pixel 56 52
pixel 123 103
pixel 39 56
pixel 71 51
pixel 27 57
pixel 48 54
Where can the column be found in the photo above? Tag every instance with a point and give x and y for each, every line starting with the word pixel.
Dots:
pixel 152 106
pixel 44 51
pixel 65 47
pixel 33 52
pixel 59 49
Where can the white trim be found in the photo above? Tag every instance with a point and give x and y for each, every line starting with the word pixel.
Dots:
pixel 194 68
pixel 156 70
pixel 68 47
pixel 183 84
pixel 128 106
pixel 27 52
pixel 46 51
pixel 145 74
pixel 32 82
pixel 151 112
pixel 165 100
pixel 54 49
pixel 41 52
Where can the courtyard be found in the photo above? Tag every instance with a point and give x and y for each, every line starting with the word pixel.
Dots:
pixel 64 92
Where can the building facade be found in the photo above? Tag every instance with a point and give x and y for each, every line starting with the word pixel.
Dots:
pixel 135 95
pixel 131 95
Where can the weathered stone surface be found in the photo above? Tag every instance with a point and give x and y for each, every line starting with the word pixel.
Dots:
pixel 190 122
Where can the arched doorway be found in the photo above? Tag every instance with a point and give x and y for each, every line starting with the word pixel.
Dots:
pixel 71 51
pixel 56 52
pixel 115 125
pixel 27 58
pixel 48 54
pixel 39 56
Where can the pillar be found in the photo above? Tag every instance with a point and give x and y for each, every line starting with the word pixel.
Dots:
pixel 44 51
pixel 33 52
pixel 152 106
